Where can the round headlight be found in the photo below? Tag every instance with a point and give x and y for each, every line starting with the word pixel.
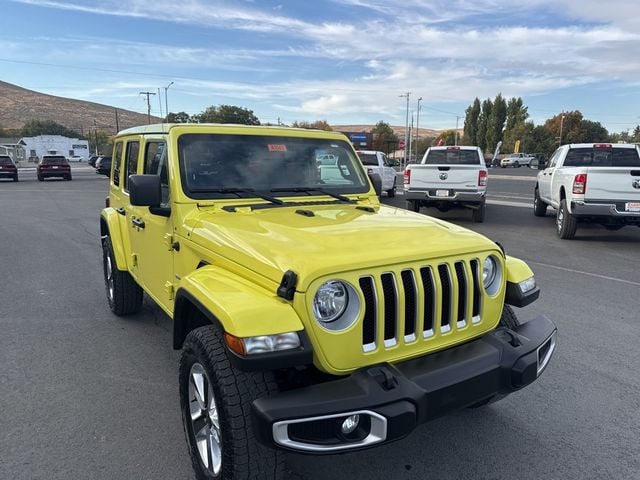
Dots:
pixel 489 269
pixel 330 301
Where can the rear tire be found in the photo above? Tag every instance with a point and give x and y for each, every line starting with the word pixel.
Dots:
pixel 216 403
pixel 15 179
pixel 516 164
pixel 40 178
pixel 477 215
pixel 566 224
pixel 413 205
pixel 68 177
pixel 123 293
pixel 539 207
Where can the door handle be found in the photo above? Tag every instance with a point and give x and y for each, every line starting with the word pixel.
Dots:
pixel 137 222
pixel 121 211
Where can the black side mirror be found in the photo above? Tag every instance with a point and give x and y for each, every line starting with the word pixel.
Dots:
pixel 377 183
pixel 541 164
pixel 144 190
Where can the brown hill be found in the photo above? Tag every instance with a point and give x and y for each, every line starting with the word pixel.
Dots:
pixel 18 105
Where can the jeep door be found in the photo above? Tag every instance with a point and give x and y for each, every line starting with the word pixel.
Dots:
pixel 150 233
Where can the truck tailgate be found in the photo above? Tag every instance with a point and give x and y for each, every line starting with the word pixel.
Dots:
pixel 613 183
pixel 462 177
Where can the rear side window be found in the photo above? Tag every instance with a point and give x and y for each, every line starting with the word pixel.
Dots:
pixel 602 157
pixel 368 159
pixel 56 160
pixel 117 160
pixel 452 156
pixel 5 161
pixel 131 162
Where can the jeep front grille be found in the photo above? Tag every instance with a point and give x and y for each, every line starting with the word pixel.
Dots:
pixel 420 303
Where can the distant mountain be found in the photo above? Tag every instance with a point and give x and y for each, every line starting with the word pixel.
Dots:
pixel 18 105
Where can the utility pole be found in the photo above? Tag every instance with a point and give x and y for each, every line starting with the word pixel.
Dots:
pixel 166 100
pixel 117 124
pixel 148 105
pixel 406 127
pixel 418 124
pixel 160 103
pixel 561 124
pixel 411 139
pixel 457 120
pixel 95 135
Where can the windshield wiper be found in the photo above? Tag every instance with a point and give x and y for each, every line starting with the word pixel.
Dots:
pixel 309 190
pixel 238 192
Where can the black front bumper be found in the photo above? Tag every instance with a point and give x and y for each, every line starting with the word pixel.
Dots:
pixel 392 400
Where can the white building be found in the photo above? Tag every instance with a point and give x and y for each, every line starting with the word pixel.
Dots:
pixel 36 147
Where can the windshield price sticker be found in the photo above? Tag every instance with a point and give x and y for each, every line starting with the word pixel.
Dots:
pixel 277 148
pixel 632 207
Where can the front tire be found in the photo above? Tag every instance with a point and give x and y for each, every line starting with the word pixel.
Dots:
pixel 539 207
pixel 566 224
pixel 392 193
pixel 123 293
pixel 215 400
pixel 15 179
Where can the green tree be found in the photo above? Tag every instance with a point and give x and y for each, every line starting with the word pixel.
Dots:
pixel 383 137
pixel 483 123
pixel 422 144
pixel 570 126
pixel 593 132
pixel 180 117
pixel 448 137
pixel 317 125
pixel 471 121
pixel 541 141
pixel 228 114
pixel 33 128
pixel 636 134
pixel 496 121
pixel 103 140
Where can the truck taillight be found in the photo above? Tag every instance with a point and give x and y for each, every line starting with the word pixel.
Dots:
pixel 482 178
pixel 407 176
pixel 580 184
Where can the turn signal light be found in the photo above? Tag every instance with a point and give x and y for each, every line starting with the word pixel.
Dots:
pixel 580 184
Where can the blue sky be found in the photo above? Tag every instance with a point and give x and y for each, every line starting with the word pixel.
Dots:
pixel 345 61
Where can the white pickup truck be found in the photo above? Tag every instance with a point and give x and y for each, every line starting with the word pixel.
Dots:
pixel 590 183
pixel 446 178
pixel 377 162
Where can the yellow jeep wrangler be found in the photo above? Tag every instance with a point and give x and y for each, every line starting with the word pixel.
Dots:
pixel 311 318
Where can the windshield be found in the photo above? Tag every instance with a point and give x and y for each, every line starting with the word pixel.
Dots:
pixel 452 156
pixel 5 161
pixel 54 160
pixel 602 157
pixel 211 164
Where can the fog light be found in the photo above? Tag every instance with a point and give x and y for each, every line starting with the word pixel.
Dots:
pixel 527 285
pixel 350 424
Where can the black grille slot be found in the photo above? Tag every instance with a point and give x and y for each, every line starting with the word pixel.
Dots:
pixel 409 302
pixel 390 305
pixel 475 273
pixel 429 297
pixel 461 276
pixel 369 320
pixel 445 281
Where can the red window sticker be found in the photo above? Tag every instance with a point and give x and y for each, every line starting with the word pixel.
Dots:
pixel 277 148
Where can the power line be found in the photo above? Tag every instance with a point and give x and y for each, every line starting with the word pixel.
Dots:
pixel 148 94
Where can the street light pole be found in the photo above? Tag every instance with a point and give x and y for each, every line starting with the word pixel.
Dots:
pixel 406 128
pixel 561 124
pixel 166 105
pixel 418 124
pixel 456 136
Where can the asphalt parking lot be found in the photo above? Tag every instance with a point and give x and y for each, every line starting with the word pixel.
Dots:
pixel 87 395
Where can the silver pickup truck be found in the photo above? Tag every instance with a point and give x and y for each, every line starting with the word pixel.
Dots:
pixel 446 178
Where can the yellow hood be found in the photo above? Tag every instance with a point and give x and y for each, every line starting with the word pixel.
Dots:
pixel 336 238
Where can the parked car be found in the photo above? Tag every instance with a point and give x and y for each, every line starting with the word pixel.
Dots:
pixel 75 158
pixel 377 162
pixel 92 160
pixel 311 317
pixel 8 169
pixel 448 177
pixel 516 160
pixel 590 183
pixel 103 165
pixel 53 166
